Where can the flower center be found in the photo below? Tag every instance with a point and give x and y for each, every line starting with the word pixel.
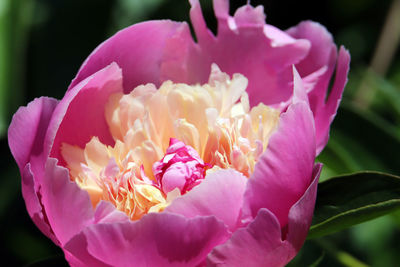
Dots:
pixel 167 140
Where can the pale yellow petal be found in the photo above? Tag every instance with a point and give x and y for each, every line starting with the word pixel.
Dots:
pixel 74 157
pixel 96 155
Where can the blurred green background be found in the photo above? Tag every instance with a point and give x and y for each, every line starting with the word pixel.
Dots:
pixel 44 42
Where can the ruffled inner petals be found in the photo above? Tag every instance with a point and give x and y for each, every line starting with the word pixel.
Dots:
pixel 166 141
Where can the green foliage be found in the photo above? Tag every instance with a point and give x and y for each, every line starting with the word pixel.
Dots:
pixel 128 12
pixel 362 140
pixel 4 48
pixel 15 18
pixel 351 199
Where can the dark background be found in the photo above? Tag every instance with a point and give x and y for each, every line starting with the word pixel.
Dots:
pixel 44 42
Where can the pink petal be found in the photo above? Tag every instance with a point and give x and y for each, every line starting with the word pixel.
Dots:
pixel 158 239
pixel 301 213
pixel 299 92
pixel 221 8
pixel 25 144
pixel 81 257
pixel 137 50
pixel 342 69
pixel 219 195
pixel 27 149
pixel 323 52
pixel 107 213
pixel 243 45
pixel 260 243
pixel 325 114
pixel 68 208
pixel 284 171
pixel 247 16
pixel 33 205
pixel 80 114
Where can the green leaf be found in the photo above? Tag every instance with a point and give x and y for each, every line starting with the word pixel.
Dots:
pixel 352 199
pixel 318 261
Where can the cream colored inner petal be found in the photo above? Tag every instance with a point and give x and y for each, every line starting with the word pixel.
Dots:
pixel 215 119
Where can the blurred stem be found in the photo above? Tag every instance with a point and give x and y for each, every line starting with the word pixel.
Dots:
pixel 15 19
pixel 341 256
pixel 383 55
pixel 5 21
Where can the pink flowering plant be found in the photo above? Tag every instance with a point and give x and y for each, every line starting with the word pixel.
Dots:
pixel 166 151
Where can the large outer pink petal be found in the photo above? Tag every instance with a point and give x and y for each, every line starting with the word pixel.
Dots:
pixel 323 53
pixel 244 44
pixel 25 137
pixel 219 195
pixel 327 112
pixel 138 50
pixel 28 128
pixel 261 243
pixel 301 213
pixel 284 171
pixel 80 114
pixel 158 239
pixel 68 208
pixel 31 194
pixel 107 213
pixel 81 257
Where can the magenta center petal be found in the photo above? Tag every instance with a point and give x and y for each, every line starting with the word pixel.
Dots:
pixel 181 168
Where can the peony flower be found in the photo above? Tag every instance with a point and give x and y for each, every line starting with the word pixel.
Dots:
pixel 150 159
